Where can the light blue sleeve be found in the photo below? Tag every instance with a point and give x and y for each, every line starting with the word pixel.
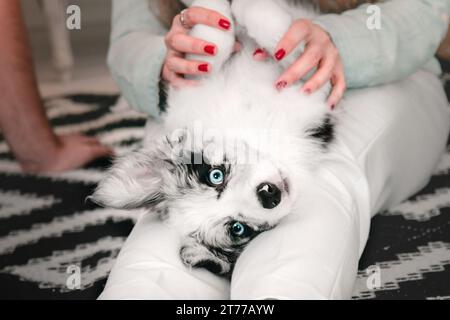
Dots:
pixel 411 31
pixel 136 53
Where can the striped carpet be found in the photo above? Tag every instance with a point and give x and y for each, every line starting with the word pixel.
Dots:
pixel 49 234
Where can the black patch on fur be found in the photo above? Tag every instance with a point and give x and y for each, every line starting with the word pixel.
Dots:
pixel 325 132
pixel 198 166
pixel 228 253
pixel 163 213
pixel 209 265
pixel 162 97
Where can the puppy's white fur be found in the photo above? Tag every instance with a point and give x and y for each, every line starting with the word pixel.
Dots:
pixel 235 111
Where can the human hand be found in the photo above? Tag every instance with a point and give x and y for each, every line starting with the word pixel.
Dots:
pixel 179 43
pixel 320 53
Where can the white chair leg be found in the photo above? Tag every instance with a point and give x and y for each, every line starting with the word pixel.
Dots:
pixel 62 56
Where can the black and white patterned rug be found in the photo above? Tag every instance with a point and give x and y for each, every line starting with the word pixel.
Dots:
pixel 47 230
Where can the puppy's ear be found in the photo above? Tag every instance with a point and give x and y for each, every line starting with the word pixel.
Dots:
pixel 134 181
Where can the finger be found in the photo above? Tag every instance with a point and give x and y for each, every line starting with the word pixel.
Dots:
pixel 99 152
pixel 297 32
pixel 176 81
pixel 89 140
pixel 78 138
pixel 186 44
pixel 198 15
pixel 339 87
pixel 260 55
pixel 307 61
pixel 182 66
pixel 237 46
pixel 179 82
pixel 177 27
pixel 322 75
pixel 166 74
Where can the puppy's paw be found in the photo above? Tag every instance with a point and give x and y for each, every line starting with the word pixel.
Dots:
pixel 195 255
pixel 255 16
pixel 224 40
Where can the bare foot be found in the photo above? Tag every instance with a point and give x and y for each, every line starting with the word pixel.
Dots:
pixel 73 151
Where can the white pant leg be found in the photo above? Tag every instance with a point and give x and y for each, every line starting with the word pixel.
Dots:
pixel 149 267
pixel 389 140
pixel 399 136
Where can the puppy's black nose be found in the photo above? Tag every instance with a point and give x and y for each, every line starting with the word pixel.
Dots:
pixel 269 195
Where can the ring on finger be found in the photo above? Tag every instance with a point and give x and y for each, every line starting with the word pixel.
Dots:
pixel 183 19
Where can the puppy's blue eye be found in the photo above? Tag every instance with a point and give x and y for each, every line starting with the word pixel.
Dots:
pixel 238 229
pixel 216 177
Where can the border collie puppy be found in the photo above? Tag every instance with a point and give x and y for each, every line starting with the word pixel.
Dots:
pixel 230 157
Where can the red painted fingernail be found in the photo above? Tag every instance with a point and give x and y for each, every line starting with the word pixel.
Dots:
pixel 307 91
pixel 225 24
pixel 333 106
pixel 258 51
pixel 210 50
pixel 281 85
pixel 280 54
pixel 203 67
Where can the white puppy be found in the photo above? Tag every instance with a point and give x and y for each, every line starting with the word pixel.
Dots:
pixel 229 158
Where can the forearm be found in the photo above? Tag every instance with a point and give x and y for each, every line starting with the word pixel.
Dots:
pixel 22 118
pixel 410 34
